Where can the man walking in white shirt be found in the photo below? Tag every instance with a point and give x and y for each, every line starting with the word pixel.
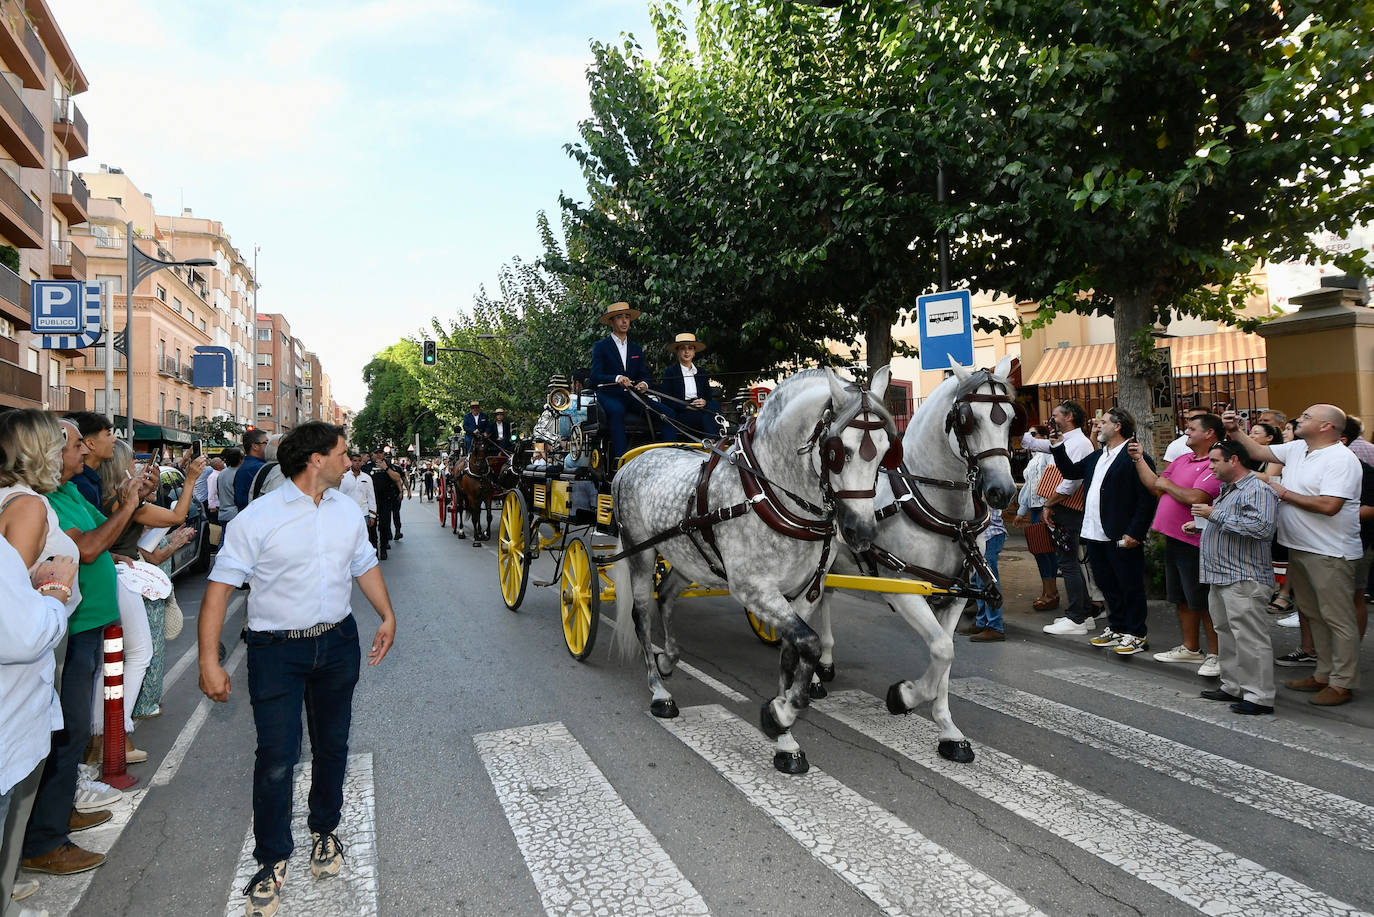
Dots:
pixel 357 485
pixel 301 546
pixel 1078 619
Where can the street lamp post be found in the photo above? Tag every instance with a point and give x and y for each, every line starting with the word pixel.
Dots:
pixel 140 267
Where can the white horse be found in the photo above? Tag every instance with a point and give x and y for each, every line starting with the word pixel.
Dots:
pixel 759 521
pixel 929 515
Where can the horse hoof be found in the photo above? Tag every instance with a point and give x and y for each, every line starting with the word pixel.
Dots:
pixel 960 752
pixel 817 690
pixel 462 536
pixel 664 709
pixel 663 664
pixel 791 762
pixel 477 544
pixel 895 704
pixel 770 726
pixel 825 671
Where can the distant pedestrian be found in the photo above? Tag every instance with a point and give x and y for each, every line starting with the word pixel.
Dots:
pixel 1237 566
pixel 386 486
pixel 254 457
pixel 233 458
pixel 357 486
pixel 1064 510
pixel 429 483
pixel 302 546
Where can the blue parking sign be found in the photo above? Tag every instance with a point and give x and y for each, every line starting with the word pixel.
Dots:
pixel 58 307
pixel 946 326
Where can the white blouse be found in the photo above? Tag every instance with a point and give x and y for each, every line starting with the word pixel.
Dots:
pixel 58 544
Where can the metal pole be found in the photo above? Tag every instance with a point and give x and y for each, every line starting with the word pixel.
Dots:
pixel 107 313
pixel 944 234
pixel 253 412
pixel 129 338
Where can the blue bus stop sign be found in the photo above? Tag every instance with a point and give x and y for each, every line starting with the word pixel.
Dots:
pixel 946 325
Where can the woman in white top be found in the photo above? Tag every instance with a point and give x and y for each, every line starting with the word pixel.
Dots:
pixel 1030 507
pixel 31 443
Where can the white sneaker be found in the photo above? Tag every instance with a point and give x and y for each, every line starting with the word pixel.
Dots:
pixel 24 888
pixel 1290 621
pixel 1211 666
pixel 1180 653
pixel 91 794
pixel 1066 627
pixel 1129 645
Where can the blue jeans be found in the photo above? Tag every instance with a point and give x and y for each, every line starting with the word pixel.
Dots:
pixel 318 673
pixel 987 615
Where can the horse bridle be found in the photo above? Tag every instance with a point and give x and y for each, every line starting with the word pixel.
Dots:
pixel 832 454
pixel 962 421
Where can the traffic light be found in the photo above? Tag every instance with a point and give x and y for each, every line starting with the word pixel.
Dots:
pixel 431 353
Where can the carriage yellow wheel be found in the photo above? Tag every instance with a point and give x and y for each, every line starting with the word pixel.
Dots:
pixel 761 629
pixel 581 599
pixel 512 550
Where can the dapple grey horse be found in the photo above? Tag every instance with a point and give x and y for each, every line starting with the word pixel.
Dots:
pixel 814 452
pixel 942 444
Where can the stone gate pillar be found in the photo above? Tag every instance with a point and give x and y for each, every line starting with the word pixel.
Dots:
pixel 1324 352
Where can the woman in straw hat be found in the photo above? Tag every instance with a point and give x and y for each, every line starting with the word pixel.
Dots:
pixel 686 381
pixel 618 366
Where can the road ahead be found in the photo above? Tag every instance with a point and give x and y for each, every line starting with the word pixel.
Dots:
pixel 492 774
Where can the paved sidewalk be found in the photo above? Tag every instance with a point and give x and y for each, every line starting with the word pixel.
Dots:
pixel 1021 584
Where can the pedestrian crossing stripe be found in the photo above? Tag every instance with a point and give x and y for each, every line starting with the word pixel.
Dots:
pixel 1327 813
pixel 1283 732
pixel 1197 873
pixel 353 892
pixel 881 856
pixel 585 850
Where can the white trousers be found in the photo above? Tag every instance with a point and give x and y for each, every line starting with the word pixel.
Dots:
pixel 138 652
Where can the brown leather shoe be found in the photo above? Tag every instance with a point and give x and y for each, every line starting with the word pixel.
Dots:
pixel 969 629
pixel 67 860
pixel 80 821
pixel 1308 684
pixel 987 635
pixel 1331 696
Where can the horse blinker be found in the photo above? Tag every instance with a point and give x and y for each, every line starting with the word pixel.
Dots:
pixel 832 455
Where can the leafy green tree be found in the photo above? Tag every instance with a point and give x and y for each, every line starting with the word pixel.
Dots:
pixel 392 412
pixel 1140 158
pixel 217 430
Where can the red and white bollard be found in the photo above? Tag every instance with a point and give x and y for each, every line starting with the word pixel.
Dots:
pixel 116 774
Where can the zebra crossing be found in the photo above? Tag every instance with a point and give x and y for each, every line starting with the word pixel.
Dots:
pixel 587 852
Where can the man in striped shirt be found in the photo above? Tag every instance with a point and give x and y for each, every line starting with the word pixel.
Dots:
pixel 1237 564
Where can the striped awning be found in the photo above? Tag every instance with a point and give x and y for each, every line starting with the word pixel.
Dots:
pixel 1201 354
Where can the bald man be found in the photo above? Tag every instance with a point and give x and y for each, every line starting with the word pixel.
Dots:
pixel 1319 523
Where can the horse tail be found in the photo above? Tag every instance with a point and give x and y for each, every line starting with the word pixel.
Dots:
pixel 626 638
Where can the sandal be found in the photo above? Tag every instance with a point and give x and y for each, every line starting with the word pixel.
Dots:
pixel 1280 604
pixel 1046 603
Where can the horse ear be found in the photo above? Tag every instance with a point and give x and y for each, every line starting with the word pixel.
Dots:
pixel 838 394
pixel 878 387
pixel 960 372
pixel 1003 368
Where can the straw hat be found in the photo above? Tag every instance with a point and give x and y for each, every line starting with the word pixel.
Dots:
pixel 474 403
pixel 618 308
pixel 686 337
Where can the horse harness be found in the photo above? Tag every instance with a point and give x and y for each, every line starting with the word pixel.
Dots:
pixel 762 494
pixel 909 500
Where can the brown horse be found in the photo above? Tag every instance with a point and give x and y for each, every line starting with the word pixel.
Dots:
pixel 476 482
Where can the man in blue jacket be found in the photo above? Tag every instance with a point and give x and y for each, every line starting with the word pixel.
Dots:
pixel 618 366
pixel 254 457
pixel 474 421
pixel 1117 512
pixel 686 381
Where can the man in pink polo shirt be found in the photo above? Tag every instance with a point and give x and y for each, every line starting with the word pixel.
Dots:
pixel 1186 480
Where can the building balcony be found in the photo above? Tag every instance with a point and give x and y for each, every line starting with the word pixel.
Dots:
pixel 20 48
pixel 58 398
pixel 18 383
pixel 70 195
pixel 21 217
pixel 69 128
pixel 21 133
pixel 68 261
pixel 76 399
pixel 95 359
pixel 175 419
pixel 14 302
pixel 168 366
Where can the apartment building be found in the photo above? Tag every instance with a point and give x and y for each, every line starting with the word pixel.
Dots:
pixel 281 375
pixel 41 198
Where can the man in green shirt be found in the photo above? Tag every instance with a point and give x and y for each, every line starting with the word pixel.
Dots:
pixel 47 847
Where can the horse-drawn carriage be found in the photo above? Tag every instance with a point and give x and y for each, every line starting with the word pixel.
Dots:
pixel 812 494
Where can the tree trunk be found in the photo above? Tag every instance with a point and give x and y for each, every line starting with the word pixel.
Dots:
pixel 878 340
pixel 1136 371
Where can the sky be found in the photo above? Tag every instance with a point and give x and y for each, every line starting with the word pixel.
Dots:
pixel 388 156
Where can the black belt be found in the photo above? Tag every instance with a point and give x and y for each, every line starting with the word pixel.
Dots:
pixel 314 631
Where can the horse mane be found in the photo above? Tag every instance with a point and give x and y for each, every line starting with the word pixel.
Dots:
pixel 790 390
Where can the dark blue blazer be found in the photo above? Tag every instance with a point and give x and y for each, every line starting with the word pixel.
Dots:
pixel 473 425
pixel 606 364
pixel 1128 507
pixel 673 385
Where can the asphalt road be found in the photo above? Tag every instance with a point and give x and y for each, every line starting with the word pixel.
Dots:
pixel 491 774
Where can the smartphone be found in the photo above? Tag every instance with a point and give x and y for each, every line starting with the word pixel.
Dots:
pixel 1097 415
pixel 196 448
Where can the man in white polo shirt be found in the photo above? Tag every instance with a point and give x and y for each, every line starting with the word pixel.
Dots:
pixel 1319 523
pixel 301 546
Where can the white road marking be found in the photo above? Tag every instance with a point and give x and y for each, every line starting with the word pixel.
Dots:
pixel 177 753
pixel 1197 873
pixel 1309 807
pixel 883 858
pixel 586 851
pixel 236 603
pixel 1274 729
pixel 353 892
pixel 715 684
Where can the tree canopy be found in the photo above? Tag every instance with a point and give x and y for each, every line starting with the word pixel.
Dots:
pixel 393 413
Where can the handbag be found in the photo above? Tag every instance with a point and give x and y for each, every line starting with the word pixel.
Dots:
pixel 174 619
pixel 1038 539
pixel 1051 479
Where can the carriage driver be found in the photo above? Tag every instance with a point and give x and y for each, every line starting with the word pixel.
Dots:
pixel 475 421
pixel 686 381
pixel 617 366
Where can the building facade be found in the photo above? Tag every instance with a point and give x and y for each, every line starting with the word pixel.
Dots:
pixel 281 375
pixel 41 132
